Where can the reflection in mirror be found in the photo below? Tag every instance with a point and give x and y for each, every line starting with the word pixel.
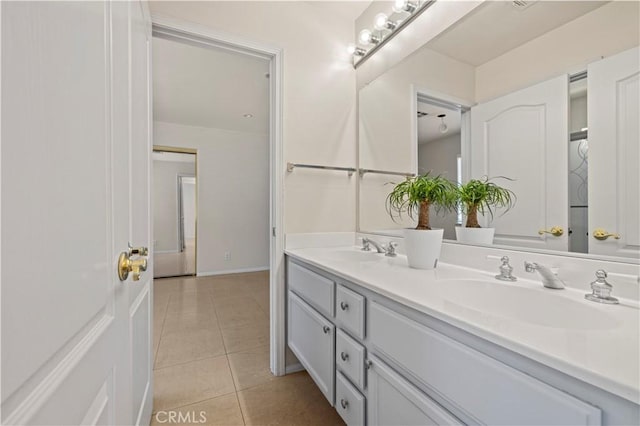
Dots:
pixel 516 70
pixel 439 148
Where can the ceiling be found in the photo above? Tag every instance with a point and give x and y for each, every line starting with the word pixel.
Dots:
pixel 209 87
pixel 497 27
pixel 428 126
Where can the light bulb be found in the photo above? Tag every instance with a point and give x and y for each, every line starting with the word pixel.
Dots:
pixel 403 6
pixel 382 22
pixel 352 49
pixel 367 37
pixel 443 126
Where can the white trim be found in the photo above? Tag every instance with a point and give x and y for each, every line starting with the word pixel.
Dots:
pixel 199 34
pixel 232 271
pixel 47 387
pixel 294 368
pixel 166 251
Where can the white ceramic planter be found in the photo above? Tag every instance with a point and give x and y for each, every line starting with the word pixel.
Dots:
pixel 475 235
pixel 423 247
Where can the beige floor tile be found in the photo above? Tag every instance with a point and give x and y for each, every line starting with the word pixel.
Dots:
pixel 190 320
pixel 250 368
pixel 223 411
pixel 247 337
pixel 186 302
pixel 240 312
pixel 178 347
pixel 172 264
pixel 192 382
pixel 291 400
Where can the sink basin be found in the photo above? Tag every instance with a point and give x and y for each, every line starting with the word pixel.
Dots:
pixel 354 255
pixel 539 307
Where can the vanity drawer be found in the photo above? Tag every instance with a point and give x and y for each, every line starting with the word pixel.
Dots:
pixel 350 310
pixel 349 402
pixel 350 358
pixel 315 289
pixel 483 388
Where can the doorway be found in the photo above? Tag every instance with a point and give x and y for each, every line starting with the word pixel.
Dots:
pixel 174 212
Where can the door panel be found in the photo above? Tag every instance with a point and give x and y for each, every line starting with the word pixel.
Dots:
pixel 614 150
pixel 66 212
pixel 523 136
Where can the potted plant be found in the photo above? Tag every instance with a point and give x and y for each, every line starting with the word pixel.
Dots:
pixel 415 196
pixel 484 197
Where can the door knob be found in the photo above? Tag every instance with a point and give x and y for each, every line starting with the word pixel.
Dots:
pixel 556 231
pixel 601 234
pixel 126 264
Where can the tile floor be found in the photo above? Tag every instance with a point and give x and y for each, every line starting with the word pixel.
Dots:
pixel 175 264
pixel 211 348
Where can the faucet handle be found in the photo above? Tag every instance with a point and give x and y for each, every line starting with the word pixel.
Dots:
pixel 366 244
pixel 390 250
pixel 601 289
pixel 530 266
pixel 505 270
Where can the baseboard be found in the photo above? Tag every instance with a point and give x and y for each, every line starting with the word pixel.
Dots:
pixel 233 271
pixel 166 251
pixel 293 368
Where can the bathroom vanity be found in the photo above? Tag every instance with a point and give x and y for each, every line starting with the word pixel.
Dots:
pixel 387 344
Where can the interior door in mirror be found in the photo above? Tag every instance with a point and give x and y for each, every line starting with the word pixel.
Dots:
pixel 523 136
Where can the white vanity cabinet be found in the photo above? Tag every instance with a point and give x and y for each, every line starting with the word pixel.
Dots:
pixel 413 368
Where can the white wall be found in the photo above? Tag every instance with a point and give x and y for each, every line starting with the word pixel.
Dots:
pixel 318 98
pixel 165 202
pixel 603 32
pixel 233 195
pixel 440 157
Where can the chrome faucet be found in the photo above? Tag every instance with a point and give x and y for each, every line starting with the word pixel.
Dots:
pixel 389 250
pixel 549 279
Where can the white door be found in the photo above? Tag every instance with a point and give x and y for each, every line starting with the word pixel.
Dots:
pixel 613 88
pixel 73 334
pixel 524 136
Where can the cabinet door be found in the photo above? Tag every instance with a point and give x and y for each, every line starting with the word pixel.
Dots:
pixel 394 401
pixel 613 110
pixel 523 136
pixel 312 339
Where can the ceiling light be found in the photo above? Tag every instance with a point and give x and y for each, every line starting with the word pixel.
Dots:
pixel 355 50
pixel 248 116
pixel 381 22
pixel 404 6
pixel 443 126
pixel 367 37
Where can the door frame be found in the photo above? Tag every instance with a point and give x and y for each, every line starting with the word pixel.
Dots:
pixel 200 35
pixel 180 202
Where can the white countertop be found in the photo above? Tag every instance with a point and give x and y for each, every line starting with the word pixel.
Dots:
pixel 605 354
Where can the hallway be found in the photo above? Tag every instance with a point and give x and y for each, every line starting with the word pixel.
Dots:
pixel 211 349
pixel 176 264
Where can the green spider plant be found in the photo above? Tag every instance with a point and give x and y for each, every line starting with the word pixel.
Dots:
pixel 483 196
pixel 417 194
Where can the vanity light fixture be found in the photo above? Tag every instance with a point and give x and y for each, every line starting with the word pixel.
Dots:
pixel 382 22
pixel 443 126
pixel 355 50
pixel 385 29
pixel 404 6
pixel 367 37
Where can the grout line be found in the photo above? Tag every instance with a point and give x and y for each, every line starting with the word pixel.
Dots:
pixel 240 407
pixel 195 402
pixel 164 318
pixel 190 361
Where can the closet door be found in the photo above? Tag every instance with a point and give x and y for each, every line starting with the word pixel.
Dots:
pixel 523 136
pixel 614 137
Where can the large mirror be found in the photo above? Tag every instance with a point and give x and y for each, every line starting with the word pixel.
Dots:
pixel 544 94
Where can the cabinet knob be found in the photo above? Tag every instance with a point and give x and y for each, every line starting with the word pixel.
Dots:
pixel 344 306
pixel 344 403
pixel 326 329
pixel 344 356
